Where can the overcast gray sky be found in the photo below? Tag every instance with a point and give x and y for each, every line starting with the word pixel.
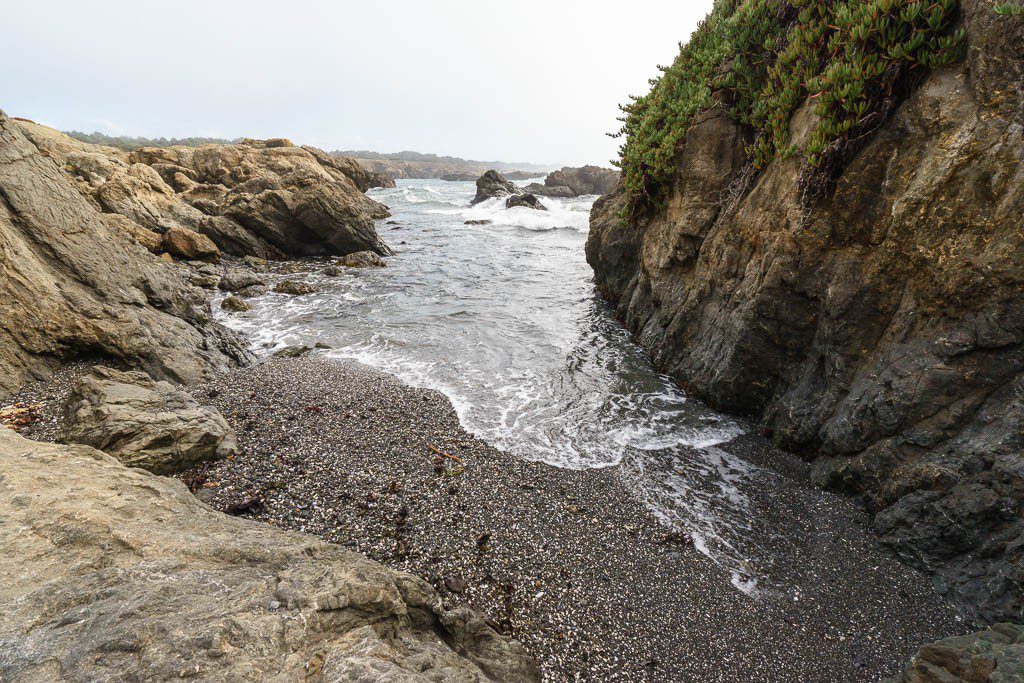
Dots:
pixel 511 81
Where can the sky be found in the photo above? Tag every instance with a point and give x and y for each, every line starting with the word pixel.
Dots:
pixel 514 81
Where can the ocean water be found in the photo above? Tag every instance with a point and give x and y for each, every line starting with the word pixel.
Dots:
pixel 504 320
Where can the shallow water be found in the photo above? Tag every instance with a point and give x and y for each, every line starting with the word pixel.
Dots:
pixel 504 320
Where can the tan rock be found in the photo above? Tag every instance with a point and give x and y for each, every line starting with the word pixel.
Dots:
pixel 74 283
pixel 147 238
pixel 145 423
pixel 115 573
pixel 191 245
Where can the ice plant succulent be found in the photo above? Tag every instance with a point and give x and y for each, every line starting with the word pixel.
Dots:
pixel 855 60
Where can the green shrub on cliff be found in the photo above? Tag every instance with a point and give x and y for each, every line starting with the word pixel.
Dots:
pixel 855 59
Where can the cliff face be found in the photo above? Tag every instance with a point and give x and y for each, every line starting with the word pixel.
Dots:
pixel 72 282
pixel 879 330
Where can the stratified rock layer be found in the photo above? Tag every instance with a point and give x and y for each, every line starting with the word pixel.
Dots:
pixel 73 281
pixel 878 331
pixel 115 573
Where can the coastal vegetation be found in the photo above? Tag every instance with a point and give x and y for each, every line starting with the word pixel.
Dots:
pixel 129 143
pixel 763 58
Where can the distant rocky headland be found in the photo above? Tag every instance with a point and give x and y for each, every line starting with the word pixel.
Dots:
pixel 418 165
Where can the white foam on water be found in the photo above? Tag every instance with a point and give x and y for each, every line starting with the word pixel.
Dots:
pixel 560 214
pixel 502 319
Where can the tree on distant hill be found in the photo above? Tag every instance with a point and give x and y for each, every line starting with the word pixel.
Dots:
pixel 129 143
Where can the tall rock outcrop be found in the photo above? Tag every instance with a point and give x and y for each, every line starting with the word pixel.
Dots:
pixel 264 198
pixel 74 282
pixel 879 331
pixel 112 573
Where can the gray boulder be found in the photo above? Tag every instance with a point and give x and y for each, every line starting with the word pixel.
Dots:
pixel 113 573
pixel 144 423
pixel 492 184
pixel 527 201
pixel 236 280
pixel 294 288
pixel 995 654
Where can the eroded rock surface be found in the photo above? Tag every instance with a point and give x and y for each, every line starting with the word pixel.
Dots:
pixel 115 573
pixel 491 185
pixel 582 180
pixel 879 332
pixel 145 423
pixel 264 198
pixel 994 655
pixel 73 281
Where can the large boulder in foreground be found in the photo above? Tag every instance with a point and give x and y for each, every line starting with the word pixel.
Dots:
pixel 145 423
pixel 583 180
pixel 491 185
pixel 115 573
pixel 995 654
pixel 73 281
pixel 880 330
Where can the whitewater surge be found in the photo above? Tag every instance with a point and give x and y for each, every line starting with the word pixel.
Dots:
pixel 502 318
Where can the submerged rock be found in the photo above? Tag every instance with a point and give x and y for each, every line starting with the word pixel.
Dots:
pixel 234 304
pixel 527 201
pixel 145 423
pixel 491 185
pixel 114 573
pixel 479 222
pixel 294 287
pixel 363 259
pixel 294 351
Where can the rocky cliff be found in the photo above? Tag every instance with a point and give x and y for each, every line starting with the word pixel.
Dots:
pixel 74 281
pixel 115 573
pixel 265 198
pixel 877 328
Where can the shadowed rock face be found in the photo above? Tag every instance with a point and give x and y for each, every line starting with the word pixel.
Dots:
pixel 878 332
pixel 115 573
pixel 73 281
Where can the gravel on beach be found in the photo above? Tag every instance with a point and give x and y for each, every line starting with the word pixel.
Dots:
pixel 569 562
